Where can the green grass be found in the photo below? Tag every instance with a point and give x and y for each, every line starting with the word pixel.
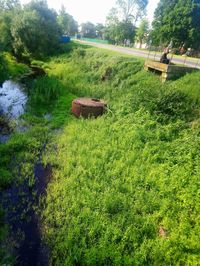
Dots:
pixel 9 68
pixel 125 186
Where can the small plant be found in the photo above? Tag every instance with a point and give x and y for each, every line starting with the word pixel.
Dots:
pixel 45 90
pixel 78 53
pixel 175 105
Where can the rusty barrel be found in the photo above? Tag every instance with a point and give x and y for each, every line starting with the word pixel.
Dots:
pixel 87 107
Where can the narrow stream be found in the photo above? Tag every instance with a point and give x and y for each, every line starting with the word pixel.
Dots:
pixel 12 99
pixel 21 200
pixel 12 105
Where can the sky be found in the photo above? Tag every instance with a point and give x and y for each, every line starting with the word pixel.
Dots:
pixel 94 11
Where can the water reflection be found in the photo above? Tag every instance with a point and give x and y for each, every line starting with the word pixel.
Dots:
pixel 12 99
pixel 12 105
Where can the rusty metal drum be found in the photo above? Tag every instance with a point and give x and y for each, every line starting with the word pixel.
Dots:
pixel 88 107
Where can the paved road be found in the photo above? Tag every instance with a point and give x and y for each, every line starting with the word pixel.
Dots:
pixel 145 54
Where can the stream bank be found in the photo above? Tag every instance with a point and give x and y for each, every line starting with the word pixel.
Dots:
pixel 28 177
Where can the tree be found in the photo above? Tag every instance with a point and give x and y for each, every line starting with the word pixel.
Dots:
pixel 118 30
pixel 121 20
pixel 112 22
pixel 88 30
pixel 7 5
pixel 142 32
pixel 8 9
pixel 100 28
pixel 67 23
pixel 35 30
pixel 131 10
pixel 5 34
pixel 194 33
pixel 178 21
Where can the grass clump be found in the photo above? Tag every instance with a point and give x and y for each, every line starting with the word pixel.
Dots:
pixel 9 68
pixel 5 179
pixel 45 90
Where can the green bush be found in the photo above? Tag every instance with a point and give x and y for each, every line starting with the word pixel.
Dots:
pixel 9 68
pixel 5 178
pixel 175 105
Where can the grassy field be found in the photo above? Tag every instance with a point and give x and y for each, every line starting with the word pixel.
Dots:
pixel 125 186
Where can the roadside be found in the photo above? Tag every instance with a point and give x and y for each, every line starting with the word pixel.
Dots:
pixel 181 60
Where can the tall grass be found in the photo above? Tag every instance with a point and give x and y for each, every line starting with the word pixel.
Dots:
pixel 9 68
pixel 125 187
pixel 45 90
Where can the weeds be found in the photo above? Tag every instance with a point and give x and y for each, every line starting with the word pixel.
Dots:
pixel 9 68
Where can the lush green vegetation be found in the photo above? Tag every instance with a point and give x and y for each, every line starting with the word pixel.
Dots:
pixel 122 19
pixel 169 23
pixel 9 68
pixel 19 155
pixel 26 31
pixel 125 186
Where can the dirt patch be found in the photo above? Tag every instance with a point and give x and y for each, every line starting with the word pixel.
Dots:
pixel 162 232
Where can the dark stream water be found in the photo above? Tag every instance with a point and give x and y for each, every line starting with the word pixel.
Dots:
pixel 21 200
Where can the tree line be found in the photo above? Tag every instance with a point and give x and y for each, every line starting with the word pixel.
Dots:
pixel 35 30
pixel 178 21
pixel 175 21
pixel 121 23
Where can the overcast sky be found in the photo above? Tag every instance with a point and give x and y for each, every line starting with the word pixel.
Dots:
pixel 92 10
